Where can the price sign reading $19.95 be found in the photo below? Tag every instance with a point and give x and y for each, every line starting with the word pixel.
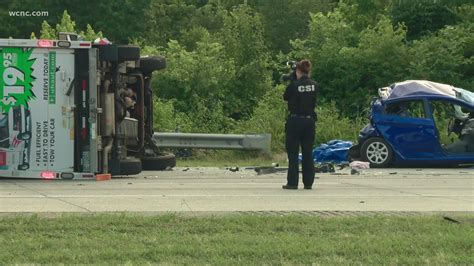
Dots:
pixel 16 72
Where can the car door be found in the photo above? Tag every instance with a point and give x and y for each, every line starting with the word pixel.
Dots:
pixel 445 112
pixel 404 124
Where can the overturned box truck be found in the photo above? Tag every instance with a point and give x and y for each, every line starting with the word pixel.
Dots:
pixel 74 110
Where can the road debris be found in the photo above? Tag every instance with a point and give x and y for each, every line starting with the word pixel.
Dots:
pixel 355 172
pixel 335 151
pixel 269 170
pixel 359 165
pixel 233 169
pixel 324 168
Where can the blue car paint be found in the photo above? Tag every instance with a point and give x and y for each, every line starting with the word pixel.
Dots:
pixel 413 140
pixel 367 132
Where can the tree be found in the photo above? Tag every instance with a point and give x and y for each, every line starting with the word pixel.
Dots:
pixel 286 20
pixel 198 81
pixel 66 25
pixel 441 59
pixel 352 64
pixel 165 20
pixel 242 37
pixel 47 32
pixel 424 17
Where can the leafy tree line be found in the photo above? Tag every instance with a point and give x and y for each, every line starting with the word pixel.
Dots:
pixel 356 47
pixel 225 57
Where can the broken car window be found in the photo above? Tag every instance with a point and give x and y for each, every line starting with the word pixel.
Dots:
pixel 452 118
pixel 412 108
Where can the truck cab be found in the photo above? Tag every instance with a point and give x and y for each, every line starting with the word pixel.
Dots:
pixel 72 109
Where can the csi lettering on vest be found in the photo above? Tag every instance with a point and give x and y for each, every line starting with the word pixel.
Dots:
pixel 305 88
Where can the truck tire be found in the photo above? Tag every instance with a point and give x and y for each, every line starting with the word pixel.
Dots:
pixel 152 63
pixel 129 166
pixel 377 152
pixel 108 53
pixel 160 162
pixel 128 53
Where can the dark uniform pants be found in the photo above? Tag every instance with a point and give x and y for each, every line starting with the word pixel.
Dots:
pixel 300 131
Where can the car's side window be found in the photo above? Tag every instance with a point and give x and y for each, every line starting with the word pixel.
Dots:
pixel 412 108
pixel 455 126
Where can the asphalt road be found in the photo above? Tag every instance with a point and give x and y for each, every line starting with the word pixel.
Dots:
pixel 220 190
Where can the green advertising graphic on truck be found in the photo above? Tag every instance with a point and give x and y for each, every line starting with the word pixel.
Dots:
pixel 32 122
pixel 73 109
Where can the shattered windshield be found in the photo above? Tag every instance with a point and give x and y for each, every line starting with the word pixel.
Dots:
pixel 466 96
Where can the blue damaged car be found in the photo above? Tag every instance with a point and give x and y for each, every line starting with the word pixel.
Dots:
pixel 418 123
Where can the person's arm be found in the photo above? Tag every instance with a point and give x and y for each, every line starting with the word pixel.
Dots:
pixel 288 91
pixel 315 99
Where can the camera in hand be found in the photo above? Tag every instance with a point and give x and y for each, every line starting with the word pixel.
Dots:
pixel 290 76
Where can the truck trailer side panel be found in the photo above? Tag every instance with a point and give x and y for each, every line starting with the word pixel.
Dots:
pixel 38 130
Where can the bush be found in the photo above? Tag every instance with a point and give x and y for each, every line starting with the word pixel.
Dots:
pixel 167 118
pixel 443 60
pixel 270 115
pixel 332 125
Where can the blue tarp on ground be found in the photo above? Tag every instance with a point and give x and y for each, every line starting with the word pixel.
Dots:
pixel 335 151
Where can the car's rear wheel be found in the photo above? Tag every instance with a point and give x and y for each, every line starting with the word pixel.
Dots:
pixel 377 152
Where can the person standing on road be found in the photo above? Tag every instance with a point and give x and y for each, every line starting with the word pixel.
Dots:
pixel 300 126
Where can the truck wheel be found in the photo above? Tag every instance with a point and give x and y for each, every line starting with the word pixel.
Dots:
pixel 108 53
pixel 128 53
pixel 377 152
pixel 129 166
pixel 160 162
pixel 152 63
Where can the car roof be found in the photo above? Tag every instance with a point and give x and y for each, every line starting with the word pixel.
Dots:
pixel 426 89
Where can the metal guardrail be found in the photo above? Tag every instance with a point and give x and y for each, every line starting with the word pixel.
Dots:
pixel 259 142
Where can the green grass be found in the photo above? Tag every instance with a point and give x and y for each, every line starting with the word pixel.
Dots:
pixel 234 239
